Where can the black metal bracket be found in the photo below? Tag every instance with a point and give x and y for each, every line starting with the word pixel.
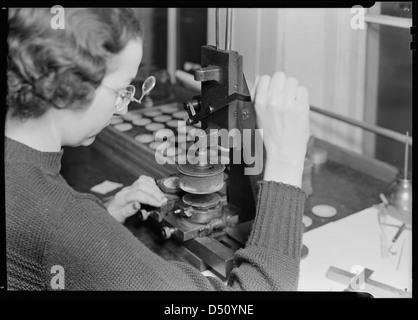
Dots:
pixel 194 105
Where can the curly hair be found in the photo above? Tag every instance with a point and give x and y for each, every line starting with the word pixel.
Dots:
pixel 61 68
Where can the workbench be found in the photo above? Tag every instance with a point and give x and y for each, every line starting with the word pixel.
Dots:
pixel 347 181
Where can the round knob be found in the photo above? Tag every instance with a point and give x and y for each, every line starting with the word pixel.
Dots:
pixel 143 214
pixel 167 232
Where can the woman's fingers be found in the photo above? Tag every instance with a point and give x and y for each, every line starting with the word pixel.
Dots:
pixel 290 89
pixel 260 95
pixel 151 184
pixel 127 211
pixel 145 193
pixel 277 83
pixel 131 209
pixel 146 179
pixel 302 97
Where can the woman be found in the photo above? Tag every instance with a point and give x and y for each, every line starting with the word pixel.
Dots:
pixel 63 88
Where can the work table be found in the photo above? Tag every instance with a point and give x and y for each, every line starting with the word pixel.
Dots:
pixel 346 189
pixel 347 181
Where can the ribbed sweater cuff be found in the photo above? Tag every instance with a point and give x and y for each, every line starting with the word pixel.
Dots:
pixel 278 222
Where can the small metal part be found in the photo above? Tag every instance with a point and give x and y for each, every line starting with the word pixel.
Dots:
pixel 192 107
pixel 210 73
pixel 384 199
pixel 228 29
pixel 143 214
pixel 167 232
pixel 217 28
pixel 214 107
pixel 211 226
pixel 170 184
pixel 183 211
pixel 396 237
pixel 399 193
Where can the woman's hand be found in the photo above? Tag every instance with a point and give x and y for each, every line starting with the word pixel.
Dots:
pixel 128 200
pixel 282 110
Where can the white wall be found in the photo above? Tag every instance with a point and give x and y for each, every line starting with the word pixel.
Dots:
pixel 318 47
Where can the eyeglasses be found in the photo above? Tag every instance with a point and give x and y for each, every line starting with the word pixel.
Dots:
pixel 124 97
pixel 127 95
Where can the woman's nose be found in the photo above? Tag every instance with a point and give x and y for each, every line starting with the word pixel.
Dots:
pixel 121 112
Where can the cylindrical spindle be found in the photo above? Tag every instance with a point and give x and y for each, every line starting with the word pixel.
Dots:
pixel 217 28
pixel 405 172
pixel 228 29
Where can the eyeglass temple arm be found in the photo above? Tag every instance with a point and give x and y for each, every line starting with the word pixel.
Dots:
pixel 136 100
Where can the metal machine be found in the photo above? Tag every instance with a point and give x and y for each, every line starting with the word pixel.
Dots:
pixel 208 216
pixel 211 206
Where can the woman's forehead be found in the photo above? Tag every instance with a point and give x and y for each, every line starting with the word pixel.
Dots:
pixel 126 63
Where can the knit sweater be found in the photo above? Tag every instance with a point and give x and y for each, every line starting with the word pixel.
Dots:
pixel 49 224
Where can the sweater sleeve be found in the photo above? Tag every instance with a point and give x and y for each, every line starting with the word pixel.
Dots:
pixel 271 257
pixel 98 253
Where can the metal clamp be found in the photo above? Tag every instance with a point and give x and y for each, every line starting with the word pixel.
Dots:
pixel 195 117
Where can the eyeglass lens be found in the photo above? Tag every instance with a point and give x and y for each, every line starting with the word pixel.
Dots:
pixel 124 98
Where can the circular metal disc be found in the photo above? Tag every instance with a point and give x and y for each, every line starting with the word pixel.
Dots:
pixel 154 126
pixel 170 184
pixel 169 109
pixel 123 126
pixel 307 221
pixel 155 144
pixel 141 121
pixel 144 138
pixel 131 116
pixel 202 200
pixel 324 211
pixel 200 171
pixel 163 118
pixel 180 114
pixel 153 113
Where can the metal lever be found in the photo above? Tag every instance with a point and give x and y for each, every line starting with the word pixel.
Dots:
pixel 196 117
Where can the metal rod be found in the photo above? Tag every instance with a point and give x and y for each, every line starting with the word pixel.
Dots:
pixel 369 127
pixel 172 43
pixel 388 20
pixel 228 29
pixel 217 28
pixel 405 172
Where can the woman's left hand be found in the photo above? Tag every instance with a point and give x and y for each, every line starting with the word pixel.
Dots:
pixel 128 200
